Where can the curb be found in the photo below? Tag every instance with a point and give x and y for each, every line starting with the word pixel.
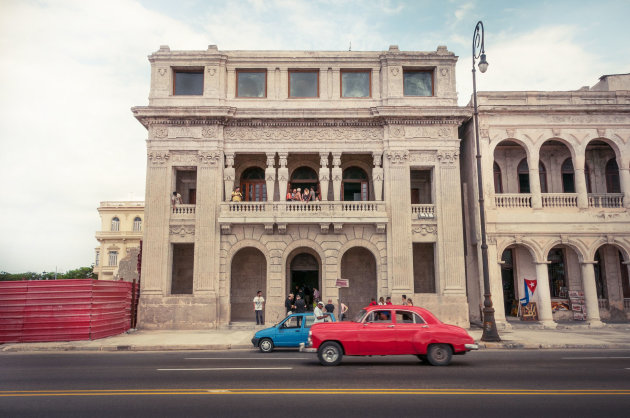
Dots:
pixel 112 348
pixel 533 346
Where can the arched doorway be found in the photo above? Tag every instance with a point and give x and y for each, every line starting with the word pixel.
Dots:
pixel 355 184
pixel 517 266
pixel 248 275
pixel 304 275
pixel 303 178
pixel 358 265
pixel 253 185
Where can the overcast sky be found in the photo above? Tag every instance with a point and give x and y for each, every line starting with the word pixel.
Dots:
pixel 71 70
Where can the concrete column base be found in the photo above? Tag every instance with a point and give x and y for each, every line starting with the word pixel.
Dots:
pixel 595 324
pixel 548 324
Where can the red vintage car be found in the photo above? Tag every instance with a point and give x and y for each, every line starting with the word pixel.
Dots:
pixel 389 330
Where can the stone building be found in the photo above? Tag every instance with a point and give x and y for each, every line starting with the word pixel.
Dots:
pixel 119 240
pixel 373 134
pixel 556 182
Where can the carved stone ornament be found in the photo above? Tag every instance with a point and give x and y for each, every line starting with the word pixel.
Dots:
pixel 395 71
pixel 162 72
pixel 270 177
pixel 510 132
pixel 307 133
pixel 185 158
pixel 271 160
pixel 323 160
pixel 229 160
pixel 336 160
pixel 425 229
pixel 397 131
pixel 323 176
pixel 212 71
pixel 377 157
pixel 226 229
pixel 398 157
pixel 282 159
pixel 338 227
pixel 209 131
pixel 269 228
pixel 448 157
pixel 211 158
pixel 601 132
pixel 160 132
pixel 444 132
pixel 423 157
pixel 158 158
pixel 556 131
pixel 444 72
pixel 181 230
pixel 484 133
pixel 324 227
pixel 380 228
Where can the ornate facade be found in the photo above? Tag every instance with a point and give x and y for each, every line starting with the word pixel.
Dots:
pixel 556 181
pixel 373 134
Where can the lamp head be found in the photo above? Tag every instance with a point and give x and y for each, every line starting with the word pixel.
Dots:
pixel 483 64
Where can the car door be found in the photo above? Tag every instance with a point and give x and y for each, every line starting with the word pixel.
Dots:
pixel 412 332
pixel 377 335
pixel 289 331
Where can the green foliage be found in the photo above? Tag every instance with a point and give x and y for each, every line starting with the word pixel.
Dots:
pixel 80 273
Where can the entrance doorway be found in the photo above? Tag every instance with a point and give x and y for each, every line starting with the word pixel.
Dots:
pixel 507 276
pixel 304 277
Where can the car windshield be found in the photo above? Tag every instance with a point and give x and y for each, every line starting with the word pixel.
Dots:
pixel 360 315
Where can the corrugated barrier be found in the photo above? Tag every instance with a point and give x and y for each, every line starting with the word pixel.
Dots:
pixel 64 310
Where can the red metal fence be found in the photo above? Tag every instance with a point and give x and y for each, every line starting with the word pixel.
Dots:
pixel 64 310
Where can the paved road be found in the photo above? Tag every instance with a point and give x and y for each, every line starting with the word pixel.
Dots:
pixel 507 383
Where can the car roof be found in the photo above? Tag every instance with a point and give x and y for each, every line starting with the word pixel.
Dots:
pixel 423 312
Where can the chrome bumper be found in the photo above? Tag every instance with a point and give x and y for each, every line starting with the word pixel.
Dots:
pixel 305 349
pixel 471 346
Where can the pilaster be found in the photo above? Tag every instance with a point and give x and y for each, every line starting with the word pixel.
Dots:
pixel 534 182
pixel 324 175
pixel 377 176
pixel 337 176
pixel 270 177
pixel 283 174
pixel 228 175
pixel 590 294
pixel 545 315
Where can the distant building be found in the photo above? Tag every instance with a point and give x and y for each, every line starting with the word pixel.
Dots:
pixel 556 179
pixel 119 239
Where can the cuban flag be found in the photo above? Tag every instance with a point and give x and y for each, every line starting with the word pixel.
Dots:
pixel 530 288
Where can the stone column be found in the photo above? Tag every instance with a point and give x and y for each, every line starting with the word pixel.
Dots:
pixel 270 177
pixel 450 229
pixel 624 176
pixel 580 183
pixel 206 231
pixel 231 83
pixel 496 285
pixel 337 176
pixel 590 294
pixel 398 235
pixel 228 176
pixel 283 174
pixel 324 175
pixel 534 181
pixel 157 210
pixel 543 298
pixel 377 176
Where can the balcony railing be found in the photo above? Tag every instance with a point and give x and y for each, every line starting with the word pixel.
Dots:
pixel 183 211
pixel 559 200
pixel 605 200
pixel 423 211
pixel 513 200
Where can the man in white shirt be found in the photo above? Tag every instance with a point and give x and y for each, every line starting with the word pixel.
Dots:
pixel 319 313
pixel 259 305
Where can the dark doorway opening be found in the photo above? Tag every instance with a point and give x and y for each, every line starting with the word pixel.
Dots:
pixel 304 277
pixel 507 276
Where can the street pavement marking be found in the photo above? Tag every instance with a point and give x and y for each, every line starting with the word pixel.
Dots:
pixel 308 391
pixel 229 368
pixel 593 358
pixel 246 358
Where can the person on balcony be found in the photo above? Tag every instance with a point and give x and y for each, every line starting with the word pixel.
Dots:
pixel 306 197
pixel 237 196
pixel 176 199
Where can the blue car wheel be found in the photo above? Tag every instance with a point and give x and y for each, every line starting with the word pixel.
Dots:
pixel 265 345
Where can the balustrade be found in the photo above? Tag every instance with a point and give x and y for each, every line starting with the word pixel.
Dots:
pixel 559 200
pixel 296 208
pixel 605 200
pixel 183 211
pixel 513 200
pixel 422 211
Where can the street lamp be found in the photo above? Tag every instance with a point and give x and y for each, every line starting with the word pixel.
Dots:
pixel 490 332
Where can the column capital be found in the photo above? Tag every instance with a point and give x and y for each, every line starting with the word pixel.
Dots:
pixel 271 159
pixel 377 157
pixel 323 159
pixel 336 159
pixel 229 159
pixel 282 159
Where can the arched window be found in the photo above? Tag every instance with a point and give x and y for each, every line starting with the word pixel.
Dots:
pixel 137 224
pixel 355 184
pixel 253 186
pixel 304 178
pixel 568 176
pixel 556 269
pixel 523 177
pixel 498 184
pixel 612 177
pixel 115 224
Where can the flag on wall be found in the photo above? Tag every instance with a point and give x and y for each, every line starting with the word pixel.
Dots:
pixel 530 288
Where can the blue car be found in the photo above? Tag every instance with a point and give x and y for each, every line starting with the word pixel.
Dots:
pixel 289 332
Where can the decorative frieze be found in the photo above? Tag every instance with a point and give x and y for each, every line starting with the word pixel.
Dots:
pixel 184 158
pixel 422 157
pixel 159 131
pixel 448 157
pixel 210 158
pixel 181 230
pixel 425 229
pixel 425 131
pixel 158 157
pixel 209 131
pixel 307 133
pixel 398 157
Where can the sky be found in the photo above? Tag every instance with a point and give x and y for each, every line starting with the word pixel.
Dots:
pixel 72 69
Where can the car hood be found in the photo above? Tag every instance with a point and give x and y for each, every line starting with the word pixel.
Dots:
pixel 264 332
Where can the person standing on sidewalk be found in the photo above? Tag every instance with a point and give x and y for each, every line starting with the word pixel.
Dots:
pixel 259 306
pixel 319 313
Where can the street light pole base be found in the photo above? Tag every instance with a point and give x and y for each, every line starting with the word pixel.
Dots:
pixel 490 333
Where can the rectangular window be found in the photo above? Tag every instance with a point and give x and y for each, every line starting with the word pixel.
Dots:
pixel 418 83
pixel 303 84
pixel 356 83
pixel 424 268
pixel 251 83
pixel 421 188
pixel 188 82
pixel 113 258
pixel 98 254
pixel 182 276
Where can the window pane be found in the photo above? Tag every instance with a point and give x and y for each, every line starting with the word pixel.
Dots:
pixel 418 83
pixel 252 84
pixel 189 83
pixel 303 84
pixel 355 84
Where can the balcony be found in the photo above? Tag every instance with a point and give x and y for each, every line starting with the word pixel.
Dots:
pixel 423 211
pixel 559 200
pixel 605 200
pixel 513 200
pixel 284 213
pixel 183 212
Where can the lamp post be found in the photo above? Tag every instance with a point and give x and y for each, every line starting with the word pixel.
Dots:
pixel 490 332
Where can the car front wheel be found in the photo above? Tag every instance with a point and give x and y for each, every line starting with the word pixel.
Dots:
pixel 439 354
pixel 266 345
pixel 330 353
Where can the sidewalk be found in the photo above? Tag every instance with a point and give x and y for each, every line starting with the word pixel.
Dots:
pixel 520 337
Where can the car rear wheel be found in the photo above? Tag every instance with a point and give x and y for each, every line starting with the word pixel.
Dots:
pixel 329 353
pixel 439 354
pixel 266 345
